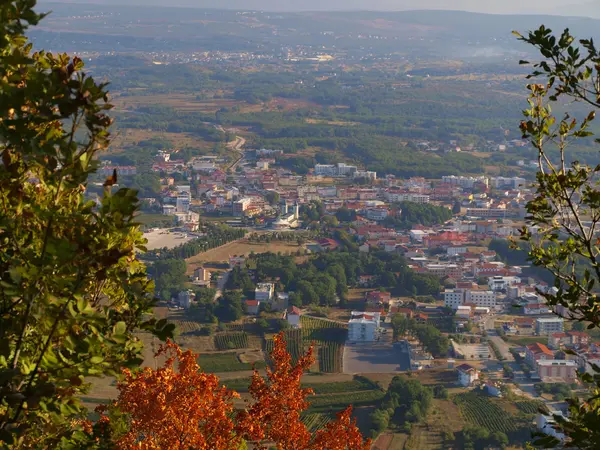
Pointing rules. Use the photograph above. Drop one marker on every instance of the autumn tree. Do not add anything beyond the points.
(180, 407)
(72, 292)
(562, 235)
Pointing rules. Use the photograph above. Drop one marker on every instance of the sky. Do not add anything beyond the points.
(563, 7)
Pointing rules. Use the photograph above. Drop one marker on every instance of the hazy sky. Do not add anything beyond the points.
(568, 7)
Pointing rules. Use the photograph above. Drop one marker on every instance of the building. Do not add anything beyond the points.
(264, 292)
(184, 298)
(499, 283)
(293, 316)
(182, 204)
(169, 210)
(453, 298)
(557, 368)
(252, 307)
(445, 270)
(546, 422)
(362, 327)
(546, 326)
(467, 375)
(377, 297)
(202, 274)
(537, 352)
(486, 299)
(240, 206)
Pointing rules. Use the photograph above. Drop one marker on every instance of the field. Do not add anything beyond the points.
(522, 341)
(226, 362)
(336, 402)
(241, 247)
(294, 342)
(329, 338)
(231, 341)
(494, 414)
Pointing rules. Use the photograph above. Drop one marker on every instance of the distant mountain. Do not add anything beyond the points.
(496, 7)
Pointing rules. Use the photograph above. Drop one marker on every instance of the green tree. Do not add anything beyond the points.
(72, 291)
(566, 208)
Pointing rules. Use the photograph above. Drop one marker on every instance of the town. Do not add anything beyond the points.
(473, 308)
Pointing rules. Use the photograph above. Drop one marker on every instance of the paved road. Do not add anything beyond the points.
(493, 337)
(221, 282)
(237, 146)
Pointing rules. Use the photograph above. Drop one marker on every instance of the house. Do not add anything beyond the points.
(293, 316)
(252, 306)
(467, 375)
(362, 327)
(327, 244)
(537, 352)
(264, 291)
(376, 297)
(185, 298)
(545, 424)
(494, 389)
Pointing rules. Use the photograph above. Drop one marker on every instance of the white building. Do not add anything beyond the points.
(377, 214)
(293, 317)
(464, 182)
(332, 170)
(464, 312)
(550, 325)
(363, 327)
(264, 292)
(545, 424)
(184, 298)
(183, 203)
(502, 283)
(453, 298)
(467, 375)
(169, 210)
(485, 299)
(396, 197)
(369, 175)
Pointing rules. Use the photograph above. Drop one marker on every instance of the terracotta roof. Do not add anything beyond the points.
(252, 302)
(539, 348)
(465, 368)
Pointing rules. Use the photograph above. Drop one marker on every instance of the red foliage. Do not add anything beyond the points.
(185, 408)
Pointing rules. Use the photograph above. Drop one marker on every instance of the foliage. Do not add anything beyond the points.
(72, 291)
(419, 214)
(175, 408)
(229, 307)
(566, 209)
(168, 276)
(560, 391)
(406, 401)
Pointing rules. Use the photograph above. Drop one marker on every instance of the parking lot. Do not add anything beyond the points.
(375, 357)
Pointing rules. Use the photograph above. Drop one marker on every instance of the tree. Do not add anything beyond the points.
(174, 408)
(229, 307)
(179, 407)
(72, 291)
(566, 208)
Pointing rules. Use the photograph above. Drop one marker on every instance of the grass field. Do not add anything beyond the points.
(522, 341)
(241, 247)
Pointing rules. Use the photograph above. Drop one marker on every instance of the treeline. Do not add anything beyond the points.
(418, 214)
(326, 277)
(216, 235)
(406, 402)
